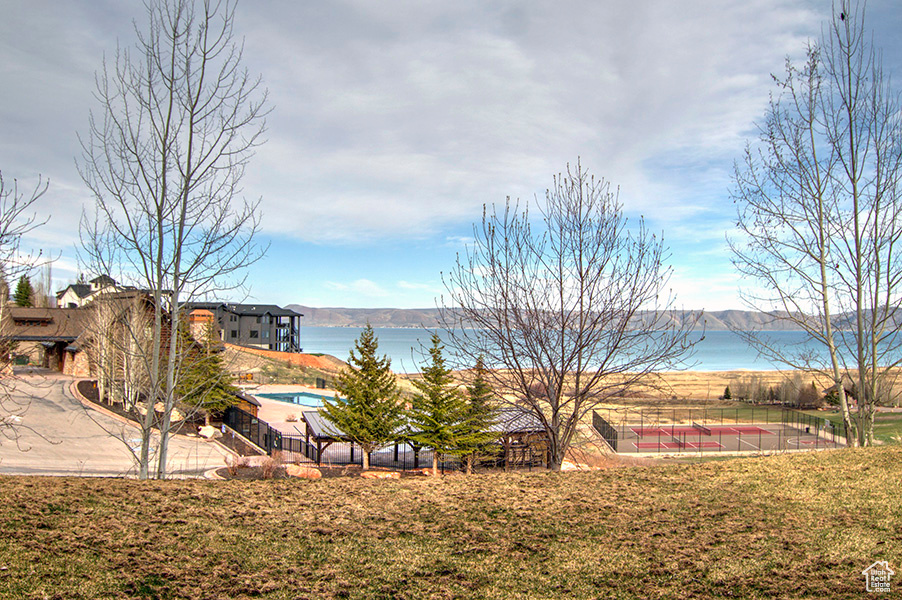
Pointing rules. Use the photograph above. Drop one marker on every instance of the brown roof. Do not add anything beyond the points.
(44, 324)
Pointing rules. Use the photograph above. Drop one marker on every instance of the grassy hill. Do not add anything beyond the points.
(792, 526)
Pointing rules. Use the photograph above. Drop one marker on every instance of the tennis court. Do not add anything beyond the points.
(703, 432)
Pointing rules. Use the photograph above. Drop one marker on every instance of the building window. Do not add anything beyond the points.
(233, 318)
(266, 334)
(255, 334)
(234, 334)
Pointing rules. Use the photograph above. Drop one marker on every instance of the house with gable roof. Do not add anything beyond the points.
(77, 295)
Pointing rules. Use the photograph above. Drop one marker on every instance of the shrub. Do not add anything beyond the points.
(233, 463)
(809, 397)
(268, 467)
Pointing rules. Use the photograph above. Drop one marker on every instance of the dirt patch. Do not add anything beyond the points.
(322, 362)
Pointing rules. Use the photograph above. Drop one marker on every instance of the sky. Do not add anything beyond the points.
(392, 123)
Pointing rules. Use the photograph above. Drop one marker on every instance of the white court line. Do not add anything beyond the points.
(742, 441)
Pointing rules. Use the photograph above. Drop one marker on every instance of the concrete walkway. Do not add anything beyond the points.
(59, 436)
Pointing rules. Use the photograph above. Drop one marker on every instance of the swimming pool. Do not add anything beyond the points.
(308, 399)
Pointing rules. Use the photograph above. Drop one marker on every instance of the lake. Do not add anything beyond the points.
(719, 351)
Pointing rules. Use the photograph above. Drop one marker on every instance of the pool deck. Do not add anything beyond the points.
(277, 413)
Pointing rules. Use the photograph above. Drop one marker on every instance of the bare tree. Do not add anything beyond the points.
(566, 315)
(17, 219)
(179, 119)
(818, 215)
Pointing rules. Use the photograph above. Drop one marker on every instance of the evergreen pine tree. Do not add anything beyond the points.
(24, 295)
(476, 438)
(203, 382)
(367, 407)
(727, 395)
(439, 412)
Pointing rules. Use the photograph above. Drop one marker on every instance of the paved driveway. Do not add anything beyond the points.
(59, 436)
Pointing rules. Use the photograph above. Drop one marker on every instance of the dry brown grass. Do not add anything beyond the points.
(800, 526)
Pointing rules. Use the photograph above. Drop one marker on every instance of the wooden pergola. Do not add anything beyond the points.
(520, 434)
(323, 433)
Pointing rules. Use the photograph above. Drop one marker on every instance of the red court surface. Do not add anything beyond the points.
(674, 445)
(688, 430)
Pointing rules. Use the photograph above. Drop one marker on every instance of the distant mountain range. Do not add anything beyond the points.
(719, 320)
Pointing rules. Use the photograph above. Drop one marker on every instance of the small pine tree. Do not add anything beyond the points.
(476, 438)
(439, 412)
(367, 407)
(24, 295)
(726, 394)
(203, 382)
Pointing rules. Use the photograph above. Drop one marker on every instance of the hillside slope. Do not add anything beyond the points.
(791, 526)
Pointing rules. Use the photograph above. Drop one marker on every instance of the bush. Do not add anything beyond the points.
(233, 463)
(268, 467)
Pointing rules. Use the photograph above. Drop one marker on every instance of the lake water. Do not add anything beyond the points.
(719, 351)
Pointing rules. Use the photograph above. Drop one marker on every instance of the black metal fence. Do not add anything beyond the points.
(255, 430)
(605, 430)
(397, 456)
(811, 423)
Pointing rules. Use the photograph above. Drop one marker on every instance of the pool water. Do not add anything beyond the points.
(300, 398)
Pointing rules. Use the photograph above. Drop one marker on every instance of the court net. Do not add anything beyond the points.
(701, 428)
(675, 438)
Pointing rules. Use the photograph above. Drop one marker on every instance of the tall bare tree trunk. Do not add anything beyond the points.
(164, 161)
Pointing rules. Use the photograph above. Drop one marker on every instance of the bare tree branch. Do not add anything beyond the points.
(179, 120)
(17, 219)
(567, 312)
(818, 217)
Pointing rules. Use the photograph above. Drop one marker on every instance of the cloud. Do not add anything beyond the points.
(359, 287)
(399, 125)
(403, 123)
(394, 127)
(420, 287)
(460, 241)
